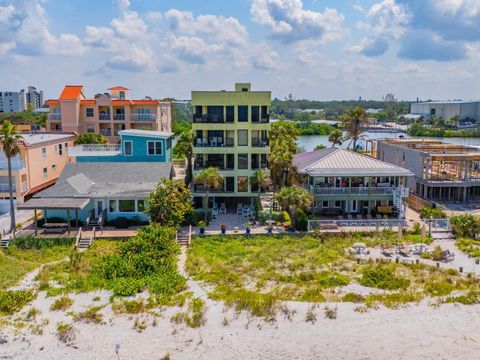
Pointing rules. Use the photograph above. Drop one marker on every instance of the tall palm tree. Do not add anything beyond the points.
(210, 178)
(293, 199)
(184, 146)
(336, 137)
(261, 178)
(283, 147)
(10, 139)
(354, 122)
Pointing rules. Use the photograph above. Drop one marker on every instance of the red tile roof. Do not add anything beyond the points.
(88, 102)
(118, 88)
(71, 92)
(53, 102)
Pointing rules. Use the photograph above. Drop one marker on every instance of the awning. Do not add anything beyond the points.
(55, 204)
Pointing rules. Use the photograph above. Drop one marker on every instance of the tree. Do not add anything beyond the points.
(336, 137)
(320, 147)
(354, 122)
(283, 147)
(294, 198)
(10, 139)
(169, 203)
(184, 147)
(261, 178)
(465, 225)
(90, 138)
(210, 178)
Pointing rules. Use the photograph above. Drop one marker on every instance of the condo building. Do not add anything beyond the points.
(12, 101)
(231, 133)
(107, 113)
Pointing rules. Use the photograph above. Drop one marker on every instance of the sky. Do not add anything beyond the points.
(312, 49)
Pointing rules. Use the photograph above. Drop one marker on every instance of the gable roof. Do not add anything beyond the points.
(341, 162)
(118, 88)
(108, 179)
(71, 92)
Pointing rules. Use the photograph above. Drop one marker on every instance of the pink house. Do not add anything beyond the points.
(40, 162)
(107, 113)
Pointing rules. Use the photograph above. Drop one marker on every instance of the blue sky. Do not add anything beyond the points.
(316, 49)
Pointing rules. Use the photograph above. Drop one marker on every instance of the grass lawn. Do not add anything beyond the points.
(469, 246)
(20, 258)
(254, 273)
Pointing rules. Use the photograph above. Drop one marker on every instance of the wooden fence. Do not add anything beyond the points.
(417, 203)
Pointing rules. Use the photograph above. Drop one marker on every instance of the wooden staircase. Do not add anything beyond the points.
(4, 243)
(84, 242)
(184, 238)
(93, 222)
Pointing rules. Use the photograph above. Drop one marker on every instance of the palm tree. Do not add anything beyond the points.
(184, 147)
(10, 139)
(283, 147)
(293, 199)
(261, 178)
(336, 137)
(354, 122)
(210, 178)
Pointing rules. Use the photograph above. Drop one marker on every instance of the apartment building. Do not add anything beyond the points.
(12, 101)
(231, 133)
(40, 162)
(107, 113)
(443, 172)
(34, 98)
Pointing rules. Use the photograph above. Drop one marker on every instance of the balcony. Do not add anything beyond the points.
(260, 142)
(105, 117)
(16, 164)
(95, 150)
(6, 188)
(260, 119)
(106, 132)
(143, 117)
(208, 119)
(214, 142)
(203, 189)
(220, 165)
(55, 116)
(24, 186)
(319, 190)
(119, 117)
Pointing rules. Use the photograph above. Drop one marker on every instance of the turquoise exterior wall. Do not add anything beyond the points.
(139, 146)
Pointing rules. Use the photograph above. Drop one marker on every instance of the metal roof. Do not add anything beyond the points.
(340, 162)
(55, 203)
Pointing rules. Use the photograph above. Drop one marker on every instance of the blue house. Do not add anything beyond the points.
(102, 183)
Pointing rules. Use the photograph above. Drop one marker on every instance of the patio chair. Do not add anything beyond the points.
(199, 142)
(214, 213)
(360, 220)
(246, 212)
(223, 208)
(205, 142)
(239, 209)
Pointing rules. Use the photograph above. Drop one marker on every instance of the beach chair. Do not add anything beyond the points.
(239, 209)
(360, 220)
(223, 208)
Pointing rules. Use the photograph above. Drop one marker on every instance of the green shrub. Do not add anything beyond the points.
(435, 213)
(31, 242)
(465, 225)
(471, 298)
(301, 221)
(354, 298)
(438, 288)
(11, 301)
(62, 303)
(65, 332)
(383, 277)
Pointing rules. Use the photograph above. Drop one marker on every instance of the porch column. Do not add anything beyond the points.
(35, 221)
(76, 218)
(68, 220)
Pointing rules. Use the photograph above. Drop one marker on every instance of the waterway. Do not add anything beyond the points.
(308, 143)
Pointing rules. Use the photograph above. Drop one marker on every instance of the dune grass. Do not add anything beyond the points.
(258, 273)
(25, 255)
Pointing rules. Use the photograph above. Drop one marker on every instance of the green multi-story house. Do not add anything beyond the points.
(231, 133)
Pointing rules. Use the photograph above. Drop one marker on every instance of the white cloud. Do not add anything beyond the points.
(265, 58)
(289, 22)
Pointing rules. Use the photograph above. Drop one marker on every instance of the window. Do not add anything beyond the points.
(44, 153)
(230, 111)
(242, 184)
(126, 205)
(89, 112)
(243, 113)
(255, 113)
(154, 148)
(242, 137)
(45, 172)
(140, 205)
(325, 204)
(112, 206)
(243, 161)
(54, 167)
(338, 204)
(66, 146)
(127, 148)
(90, 128)
(60, 149)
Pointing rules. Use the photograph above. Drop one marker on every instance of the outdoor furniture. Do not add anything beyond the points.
(447, 256)
(55, 228)
(199, 142)
(205, 142)
(360, 219)
(342, 221)
(223, 208)
(386, 250)
(247, 212)
(239, 209)
(404, 250)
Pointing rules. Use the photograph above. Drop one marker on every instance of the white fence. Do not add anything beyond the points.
(375, 223)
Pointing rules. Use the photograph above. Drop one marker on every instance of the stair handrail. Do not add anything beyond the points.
(78, 237)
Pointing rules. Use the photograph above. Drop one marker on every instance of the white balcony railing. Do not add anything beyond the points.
(352, 191)
(16, 164)
(95, 150)
(54, 116)
(143, 117)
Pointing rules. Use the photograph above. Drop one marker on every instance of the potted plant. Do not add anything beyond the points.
(201, 226)
(223, 227)
(270, 228)
(248, 226)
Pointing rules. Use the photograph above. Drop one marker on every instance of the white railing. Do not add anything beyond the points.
(24, 186)
(100, 147)
(54, 116)
(353, 191)
(143, 117)
(16, 164)
(375, 223)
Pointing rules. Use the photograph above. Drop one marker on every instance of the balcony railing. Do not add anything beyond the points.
(215, 164)
(54, 116)
(106, 117)
(143, 117)
(100, 147)
(16, 164)
(208, 118)
(6, 187)
(260, 142)
(118, 116)
(24, 186)
(95, 150)
(214, 142)
(106, 132)
(203, 188)
(318, 190)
